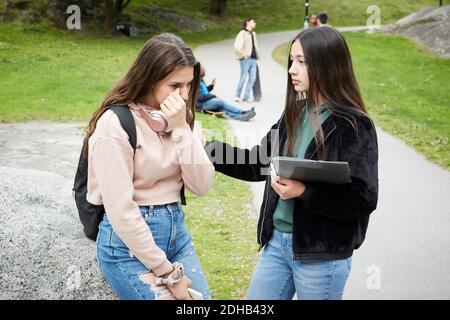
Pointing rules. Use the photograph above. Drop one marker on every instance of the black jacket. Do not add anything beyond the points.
(330, 221)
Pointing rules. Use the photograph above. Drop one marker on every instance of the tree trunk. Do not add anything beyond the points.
(113, 10)
(110, 26)
(219, 7)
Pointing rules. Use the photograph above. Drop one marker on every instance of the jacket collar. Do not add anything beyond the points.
(328, 127)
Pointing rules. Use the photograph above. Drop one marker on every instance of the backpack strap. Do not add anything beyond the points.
(126, 119)
(182, 196)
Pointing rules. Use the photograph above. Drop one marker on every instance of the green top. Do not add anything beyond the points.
(284, 212)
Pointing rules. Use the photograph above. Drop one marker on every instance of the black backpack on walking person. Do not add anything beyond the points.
(90, 214)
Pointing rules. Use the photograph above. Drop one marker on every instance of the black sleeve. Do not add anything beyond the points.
(359, 197)
(210, 87)
(245, 164)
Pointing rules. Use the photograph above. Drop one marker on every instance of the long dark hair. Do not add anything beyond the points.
(331, 75)
(159, 57)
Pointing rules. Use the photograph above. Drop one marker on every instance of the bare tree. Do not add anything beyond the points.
(113, 10)
(219, 7)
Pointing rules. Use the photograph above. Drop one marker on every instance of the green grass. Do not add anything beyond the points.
(406, 90)
(53, 75)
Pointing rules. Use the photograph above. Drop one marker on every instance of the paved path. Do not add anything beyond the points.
(406, 254)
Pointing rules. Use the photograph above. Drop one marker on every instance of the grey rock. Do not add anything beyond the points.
(56, 11)
(45, 254)
(430, 27)
(180, 20)
(29, 16)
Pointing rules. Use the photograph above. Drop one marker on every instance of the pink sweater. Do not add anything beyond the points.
(154, 177)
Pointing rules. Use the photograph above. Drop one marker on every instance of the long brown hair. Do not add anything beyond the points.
(159, 57)
(331, 75)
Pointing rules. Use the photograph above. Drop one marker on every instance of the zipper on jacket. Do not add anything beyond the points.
(262, 223)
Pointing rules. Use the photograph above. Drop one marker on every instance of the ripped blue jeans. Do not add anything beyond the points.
(123, 270)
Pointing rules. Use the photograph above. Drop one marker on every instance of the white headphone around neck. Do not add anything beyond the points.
(155, 119)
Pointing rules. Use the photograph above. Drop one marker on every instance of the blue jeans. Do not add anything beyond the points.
(248, 66)
(217, 104)
(122, 269)
(278, 276)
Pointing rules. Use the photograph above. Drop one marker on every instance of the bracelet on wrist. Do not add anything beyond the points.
(173, 277)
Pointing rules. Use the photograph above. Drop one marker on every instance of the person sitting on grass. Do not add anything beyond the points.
(209, 102)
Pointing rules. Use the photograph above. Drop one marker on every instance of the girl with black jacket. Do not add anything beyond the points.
(309, 230)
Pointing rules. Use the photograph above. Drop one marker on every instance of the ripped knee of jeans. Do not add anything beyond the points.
(161, 291)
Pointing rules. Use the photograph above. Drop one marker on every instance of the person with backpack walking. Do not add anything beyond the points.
(143, 233)
(309, 230)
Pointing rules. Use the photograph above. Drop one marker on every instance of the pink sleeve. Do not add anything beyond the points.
(196, 169)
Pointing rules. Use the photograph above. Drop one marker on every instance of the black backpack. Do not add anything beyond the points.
(91, 215)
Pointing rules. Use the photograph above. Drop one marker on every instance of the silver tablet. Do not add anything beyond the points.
(312, 170)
